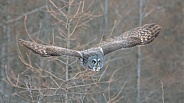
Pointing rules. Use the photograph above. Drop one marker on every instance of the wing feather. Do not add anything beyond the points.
(45, 50)
(137, 36)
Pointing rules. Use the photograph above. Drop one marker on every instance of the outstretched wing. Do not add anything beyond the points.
(137, 36)
(46, 50)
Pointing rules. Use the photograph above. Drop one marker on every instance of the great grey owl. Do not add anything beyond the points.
(93, 58)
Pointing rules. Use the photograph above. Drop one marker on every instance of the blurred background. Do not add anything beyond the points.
(150, 74)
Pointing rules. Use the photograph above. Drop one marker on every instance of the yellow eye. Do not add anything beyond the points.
(94, 61)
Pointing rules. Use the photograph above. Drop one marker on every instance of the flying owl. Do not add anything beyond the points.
(93, 58)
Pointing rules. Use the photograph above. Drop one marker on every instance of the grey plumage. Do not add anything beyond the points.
(47, 50)
(137, 36)
(93, 58)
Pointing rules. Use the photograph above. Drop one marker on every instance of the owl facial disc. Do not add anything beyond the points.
(96, 66)
(93, 61)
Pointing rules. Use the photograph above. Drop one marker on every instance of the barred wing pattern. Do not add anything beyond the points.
(137, 36)
(93, 58)
(46, 50)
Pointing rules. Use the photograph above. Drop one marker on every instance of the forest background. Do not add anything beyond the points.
(146, 74)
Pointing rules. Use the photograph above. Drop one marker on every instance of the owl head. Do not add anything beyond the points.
(93, 60)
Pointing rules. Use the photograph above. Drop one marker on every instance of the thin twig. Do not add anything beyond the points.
(162, 86)
(23, 15)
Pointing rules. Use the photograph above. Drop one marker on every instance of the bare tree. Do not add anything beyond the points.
(61, 78)
(5, 42)
(138, 98)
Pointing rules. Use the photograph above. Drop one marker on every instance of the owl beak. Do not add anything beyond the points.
(98, 68)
